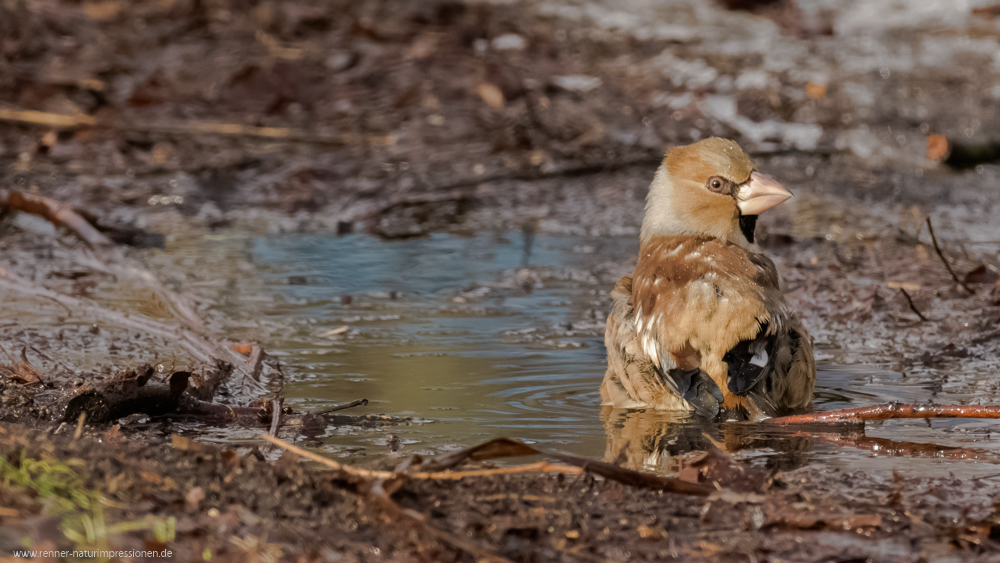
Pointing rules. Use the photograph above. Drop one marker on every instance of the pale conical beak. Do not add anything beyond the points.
(760, 194)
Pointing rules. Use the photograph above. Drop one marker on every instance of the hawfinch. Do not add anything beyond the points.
(701, 323)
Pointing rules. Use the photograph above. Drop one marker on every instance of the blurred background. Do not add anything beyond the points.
(425, 203)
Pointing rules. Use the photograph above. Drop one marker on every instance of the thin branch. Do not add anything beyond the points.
(357, 403)
(937, 249)
(453, 475)
(912, 306)
(888, 411)
(541, 466)
(349, 469)
(189, 128)
(276, 415)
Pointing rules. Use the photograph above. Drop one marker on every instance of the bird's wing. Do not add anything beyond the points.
(716, 298)
(635, 380)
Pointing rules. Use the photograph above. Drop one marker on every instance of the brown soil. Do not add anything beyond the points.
(238, 506)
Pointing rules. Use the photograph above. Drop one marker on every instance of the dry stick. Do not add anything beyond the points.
(912, 306)
(276, 415)
(349, 469)
(891, 410)
(255, 362)
(357, 403)
(937, 249)
(373, 474)
(83, 121)
(542, 466)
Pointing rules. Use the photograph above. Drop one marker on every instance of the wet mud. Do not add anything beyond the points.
(163, 122)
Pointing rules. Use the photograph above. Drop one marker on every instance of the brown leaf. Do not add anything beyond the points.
(22, 372)
(981, 274)
(491, 95)
(814, 90)
(864, 521)
(102, 11)
(937, 147)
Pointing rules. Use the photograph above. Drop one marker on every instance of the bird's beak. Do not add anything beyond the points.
(760, 194)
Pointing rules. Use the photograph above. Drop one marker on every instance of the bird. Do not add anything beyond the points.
(701, 324)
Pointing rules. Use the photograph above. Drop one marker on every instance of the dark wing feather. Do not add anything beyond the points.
(751, 361)
(698, 389)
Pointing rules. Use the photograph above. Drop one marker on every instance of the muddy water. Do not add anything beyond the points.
(500, 334)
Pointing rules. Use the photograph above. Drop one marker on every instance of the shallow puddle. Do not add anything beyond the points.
(502, 335)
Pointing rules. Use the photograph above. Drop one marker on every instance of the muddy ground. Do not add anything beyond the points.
(407, 118)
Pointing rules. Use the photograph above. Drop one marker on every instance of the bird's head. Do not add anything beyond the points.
(709, 188)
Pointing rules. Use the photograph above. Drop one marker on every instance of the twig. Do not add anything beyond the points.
(357, 403)
(541, 466)
(83, 121)
(59, 215)
(887, 411)
(912, 306)
(937, 249)
(373, 474)
(79, 426)
(276, 415)
(255, 362)
(349, 469)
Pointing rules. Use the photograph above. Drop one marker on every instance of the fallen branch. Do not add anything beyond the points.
(505, 447)
(190, 128)
(276, 415)
(887, 411)
(912, 306)
(357, 403)
(134, 392)
(349, 469)
(937, 249)
(59, 215)
(541, 467)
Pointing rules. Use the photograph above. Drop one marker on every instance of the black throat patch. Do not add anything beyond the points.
(747, 225)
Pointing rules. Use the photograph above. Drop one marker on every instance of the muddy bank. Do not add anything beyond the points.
(234, 505)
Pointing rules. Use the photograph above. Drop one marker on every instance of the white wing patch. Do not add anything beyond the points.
(759, 358)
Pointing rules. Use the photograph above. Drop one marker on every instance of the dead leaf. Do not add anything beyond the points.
(102, 11)
(863, 521)
(815, 91)
(646, 532)
(491, 95)
(22, 372)
(981, 274)
(937, 147)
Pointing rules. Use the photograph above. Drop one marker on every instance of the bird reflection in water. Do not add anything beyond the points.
(652, 440)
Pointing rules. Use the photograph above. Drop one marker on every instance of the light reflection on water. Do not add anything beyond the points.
(502, 335)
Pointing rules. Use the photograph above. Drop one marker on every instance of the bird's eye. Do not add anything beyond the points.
(716, 184)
